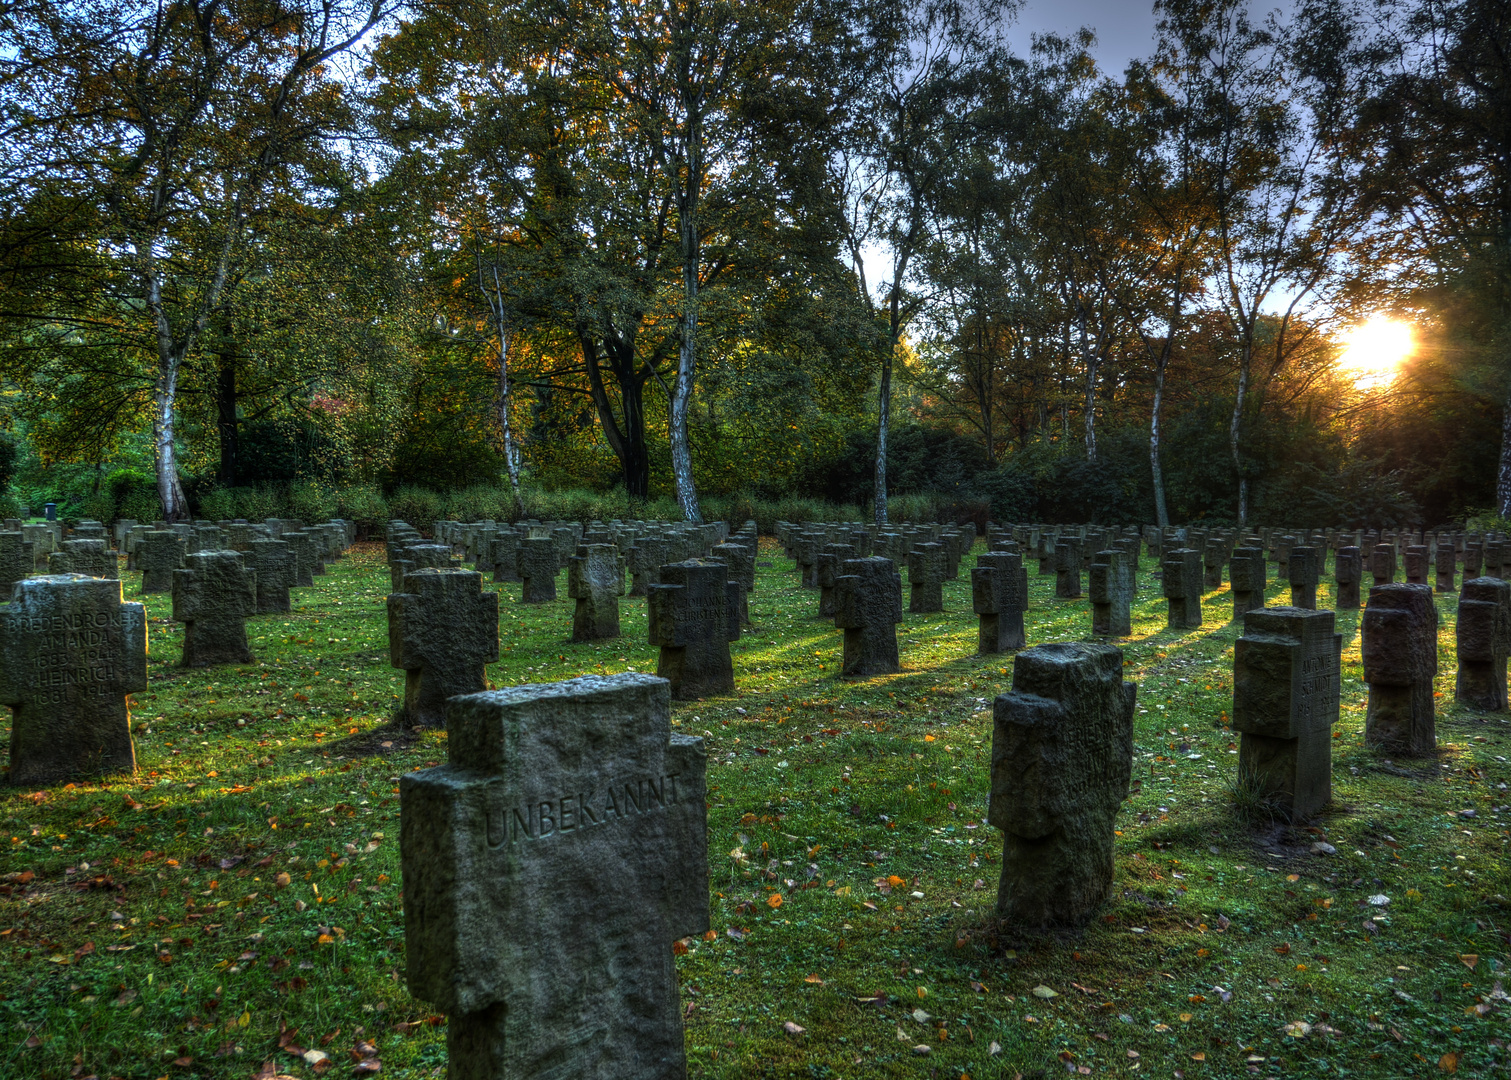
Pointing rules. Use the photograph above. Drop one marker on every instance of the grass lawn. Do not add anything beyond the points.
(237, 900)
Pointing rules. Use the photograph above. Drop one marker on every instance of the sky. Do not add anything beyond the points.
(1124, 28)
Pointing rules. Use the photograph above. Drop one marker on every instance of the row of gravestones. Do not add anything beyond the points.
(71, 649)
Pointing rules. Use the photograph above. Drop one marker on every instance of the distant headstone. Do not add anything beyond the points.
(16, 560)
(1446, 562)
(443, 631)
(1111, 587)
(1062, 757)
(158, 554)
(1382, 564)
(213, 596)
(302, 546)
(1304, 572)
(538, 567)
(1416, 565)
(413, 557)
(595, 581)
(1068, 568)
(1213, 555)
(999, 594)
(88, 557)
(693, 616)
(1399, 644)
(829, 562)
(70, 652)
(1181, 583)
(1246, 578)
(740, 558)
(1286, 686)
(926, 578)
(868, 608)
(273, 563)
(1348, 570)
(548, 867)
(1484, 640)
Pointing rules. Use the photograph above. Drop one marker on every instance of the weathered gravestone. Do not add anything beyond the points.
(273, 563)
(16, 560)
(829, 562)
(1213, 555)
(548, 867)
(740, 558)
(442, 631)
(1067, 568)
(1382, 564)
(413, 557)
(1286, 686)
(1181, 583)
(302, 548)
(1484, 640)
(538, 567)
(868, 608)
(999, 593)
(213, 595)
(645, 561)
(693, 615)
(70, 652)
(88, 557)
(1446, 559)
(1246, 579)
(1416, 565)
(595, 581)
(1111, 587)
(1304, 572)
(926, 578)
(1062, 756)
(1399, 644)
(805, 549)
(159, 553)
(1348, 570)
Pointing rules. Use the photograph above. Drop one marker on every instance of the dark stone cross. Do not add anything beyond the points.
(1062, 758)
(1213, 555)
(829, 562)
(1304, 572)
(70, 652)
(302, 548)
(273, 563)
(1181, 583)
(596, 582)
(1286, 686)
(926, 578)
(805, 549)
(538, 567)
(413, 557)
(1246, 578)
(213, 595)
(740, 556)
(868, 608)
(158, 554)
(1484, 640)
(1067, 568)
(548, 867)
(16, 559)
(1446, 563)
(89, 557)
(1416, 565)
(646, 559)
(1348, 570)
(999, 593)
(1399, 643)
(1382, 564)
(1111, 587)
(693, 615)
(443, 631)
(1474, 558)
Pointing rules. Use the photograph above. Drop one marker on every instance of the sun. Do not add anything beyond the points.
(1375, 349)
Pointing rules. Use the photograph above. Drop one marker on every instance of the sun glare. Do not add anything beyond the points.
(1375, 349)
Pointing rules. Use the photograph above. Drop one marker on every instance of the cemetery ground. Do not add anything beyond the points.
(234, 907)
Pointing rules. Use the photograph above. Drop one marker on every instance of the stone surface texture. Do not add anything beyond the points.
(213, 596)
(868, 607)
(442, 632)
(1399, 643)
(693, 615)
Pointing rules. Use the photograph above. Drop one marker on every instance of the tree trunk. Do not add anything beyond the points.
(495, 300)
(1503, 479)
(883, 421)
(687, 366)
(627, 440)
(1091, 409)
(1234, 433)
(226, 423)
(170, 491)
(1161, 515)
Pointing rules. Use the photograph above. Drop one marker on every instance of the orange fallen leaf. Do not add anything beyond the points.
(813, 979)
(1469, 960)
(774, 901)
(1449, 1062)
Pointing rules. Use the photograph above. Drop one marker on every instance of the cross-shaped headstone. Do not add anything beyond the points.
(16, 559)
(1348, 571)
(1399, 646)
(442, 630)
(1214, 553)
(830, 561)
(1111, 587)
(1304, 573)
(70, 652)
(805, 549)
(1067, 568)
(158, 554)
(693, 616)
(868, 607)
(1446, 563)
(538, 567)
(739, 556)
(548, 867)
(88, 557)
(645, 561)
(317, 552)
(1484, 640)
(1474, 558)
(999, 593)
(1181, 583)
(1416, 565)
(925, 578)
(302, 548)
(1062, 758)
(273, 563)
(213, 595)
(1382, 564)
(418, 557)
(1286, 672)
(596, 582)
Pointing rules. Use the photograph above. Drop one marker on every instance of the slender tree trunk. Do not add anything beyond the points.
(1161, 515)
(627, 440)
(170, 491)
(1503, 479)
(687, 355)
(1091, 409)
(504, 400)
(883, 424)
(1235, 432)
(226, 423)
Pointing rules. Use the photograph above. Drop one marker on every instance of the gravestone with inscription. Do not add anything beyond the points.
(302, 548)
(548, 867)
(1286, 686)
(1484, 640)
(273, 563)
(1110, 584)
(16, 559)
(1067, 568)
(1399, 644)
(70, 652)
(442, 630)
(538, 567)
(213, 596)
(740, 558)
(1062, 758)
(1304, 573)
(999, 593)
(595, 581)
(1181, 583)
(693, 615)
(88, 557)
(868, 608)
(1246, 578)
(413, 557)
(926, 578)
(1348, 570)
(158, 554)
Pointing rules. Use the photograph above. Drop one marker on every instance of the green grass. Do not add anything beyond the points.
(1226, 949)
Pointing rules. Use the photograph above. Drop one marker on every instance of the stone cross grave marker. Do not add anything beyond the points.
(70, 652)
(443, 631)
(926, 578)
(645, 561)
(1348, 570)
(1484, 640)
(1474, 558)
(548, 867)
(89, 557)
(1213, 555)
(413, 557)
(158, 554)
(16, 559)
(1111, 587)
(1286, 686)
(1246, 577)
(538, 567)
(1416, 565)
(1067, 568)
(1304, 573)
(596, 582)
(302, 548)
(1062, 757)
(693, 615)
(868, 608)
(1446, 559)
(1399, 644)
(1382, 564)
(273, 563)
(740, 558)
(1181, 583)
(829, 562)
(999, 594)
(213, 595)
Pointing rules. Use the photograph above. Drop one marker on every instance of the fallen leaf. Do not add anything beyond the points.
(1469, 960)
(994, 1049)
(1044, 992)
(813, 979)
(1449, 1062)
(793, 1029)
(774, 901)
